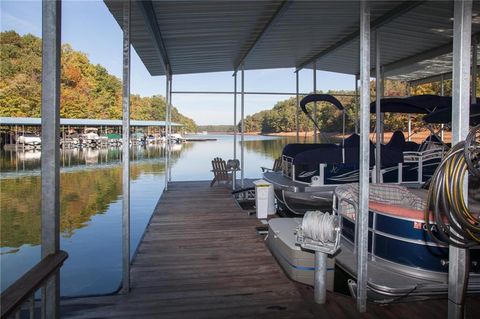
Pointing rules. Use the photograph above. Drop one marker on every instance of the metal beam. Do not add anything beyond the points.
(462, 28)
(170, 129)
(127, 8)
(442, 93)
(167, 142)
(362, 219)
(148, 12)
(357, 107)
(315, 131)
(51, 55)
(391, 15)
(422, 56)
(378, 96)
(253, 93)
(282, 8)
(234, 179)
(242, 127)
(474, 72)
(438, 77)
(297, 108)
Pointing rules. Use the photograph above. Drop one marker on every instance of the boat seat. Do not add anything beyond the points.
(411, 146)
(396, 210)
(388, 197)
(397, 140)
(352, 150)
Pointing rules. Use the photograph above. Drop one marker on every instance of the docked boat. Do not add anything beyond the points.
(29, 139)
(404, 260)
(311, 172)
(176, 138)
(90, 137)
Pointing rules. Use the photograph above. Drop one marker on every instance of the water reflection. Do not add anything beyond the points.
(90, 194)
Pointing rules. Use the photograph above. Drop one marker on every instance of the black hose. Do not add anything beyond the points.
(446, 205)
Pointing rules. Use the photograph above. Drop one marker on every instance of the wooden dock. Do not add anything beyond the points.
(202, 258)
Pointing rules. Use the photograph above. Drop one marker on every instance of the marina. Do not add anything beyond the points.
(123, 218)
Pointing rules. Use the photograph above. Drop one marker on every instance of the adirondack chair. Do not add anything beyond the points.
(277, 166)
(220, 172)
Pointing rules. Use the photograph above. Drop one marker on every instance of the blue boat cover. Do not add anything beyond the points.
(418, 104)
(444, 116)
(330, 154)
(293, 149)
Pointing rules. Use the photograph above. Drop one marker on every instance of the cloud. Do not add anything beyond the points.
(22, 26)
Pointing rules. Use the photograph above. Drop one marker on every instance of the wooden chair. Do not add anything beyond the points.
(277, 166)
(220, 172)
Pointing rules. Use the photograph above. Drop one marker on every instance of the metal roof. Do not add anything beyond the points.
(216, 35)
(82, 122)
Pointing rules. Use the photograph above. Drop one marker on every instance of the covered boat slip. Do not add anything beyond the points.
(196, 232)
(201, 257)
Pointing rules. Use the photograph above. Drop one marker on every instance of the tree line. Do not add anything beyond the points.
(281, 118)
(87, 90)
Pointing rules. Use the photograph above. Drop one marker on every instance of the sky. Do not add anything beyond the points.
(89, 27)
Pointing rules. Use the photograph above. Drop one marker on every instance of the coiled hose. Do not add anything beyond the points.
(446, 205)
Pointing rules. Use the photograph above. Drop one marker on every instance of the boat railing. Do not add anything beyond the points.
(421, 157)
(337, 200)
(19, 298)
(287, 167)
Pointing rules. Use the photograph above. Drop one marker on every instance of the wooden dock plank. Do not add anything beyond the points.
(202, 258)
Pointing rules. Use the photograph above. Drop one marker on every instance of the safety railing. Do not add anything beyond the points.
(18, 300)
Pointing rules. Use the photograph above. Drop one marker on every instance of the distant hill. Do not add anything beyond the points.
(87, 90)
(215, 128)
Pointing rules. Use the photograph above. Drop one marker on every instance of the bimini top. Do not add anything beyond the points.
(190, 36)
(418, 104)
(444, 116)
(320, 98)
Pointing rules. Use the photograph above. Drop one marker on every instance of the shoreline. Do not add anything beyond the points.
(417, 137)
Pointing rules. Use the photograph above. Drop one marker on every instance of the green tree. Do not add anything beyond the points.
(87, 90)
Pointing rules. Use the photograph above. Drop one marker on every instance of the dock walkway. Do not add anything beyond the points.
(202, 258)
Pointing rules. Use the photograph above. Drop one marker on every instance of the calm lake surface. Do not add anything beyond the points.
(91, 195)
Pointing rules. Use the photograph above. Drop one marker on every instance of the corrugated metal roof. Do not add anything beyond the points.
(209, 36)
(82, 122)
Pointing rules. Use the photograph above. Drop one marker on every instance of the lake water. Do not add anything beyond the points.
(91, 196)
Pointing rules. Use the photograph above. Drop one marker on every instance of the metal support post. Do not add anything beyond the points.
(170, 128)
(297, 108)
(409, 116)
(315, 133)
(362, 219)
(50, 169)
(126, 150)
(462, 32)
(474, 71)
(167, 136)
(357, 106)
(382, 95)
(242, 127)
(378, 121)
(16, 140)
(442, 93)
(320, 284)
(234, 179)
